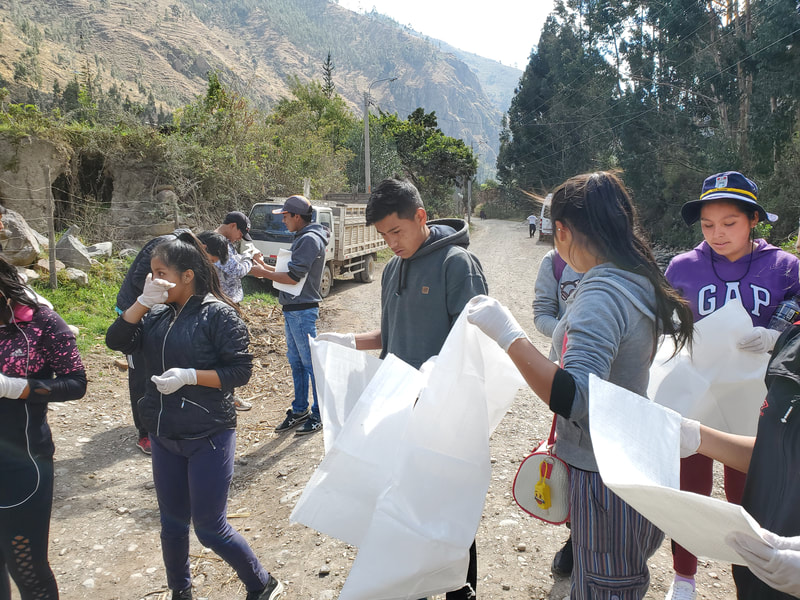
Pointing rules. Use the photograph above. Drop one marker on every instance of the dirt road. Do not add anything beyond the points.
(105, 533)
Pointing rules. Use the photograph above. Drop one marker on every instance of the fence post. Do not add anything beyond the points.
(51, 233)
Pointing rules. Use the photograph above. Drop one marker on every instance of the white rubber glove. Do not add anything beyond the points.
(249, 250)
(12, 387)
(775, 560)
(495, 320)
(155, 291)
(690, 437)
(174, 379)
(758, 340)
(348, 340)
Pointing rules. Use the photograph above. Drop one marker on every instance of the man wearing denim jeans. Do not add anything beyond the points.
(300, 312)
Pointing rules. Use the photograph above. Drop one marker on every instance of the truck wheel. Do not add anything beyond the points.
(327, 282)
(368, 274)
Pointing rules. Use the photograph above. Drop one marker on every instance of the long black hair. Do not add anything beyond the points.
(215, 244)
(602, 217)
(187, 252)
(13, 290)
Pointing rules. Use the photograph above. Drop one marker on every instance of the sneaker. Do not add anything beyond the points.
(562, 561)
(292, 419)
(182, 594)
(240, 404)
(312, 425)
(681, 590)
(273, 590)
(144, 444)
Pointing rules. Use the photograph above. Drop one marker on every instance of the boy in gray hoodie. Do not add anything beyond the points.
(424, 287)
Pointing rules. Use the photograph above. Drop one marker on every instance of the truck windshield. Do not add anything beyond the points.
(266, 226)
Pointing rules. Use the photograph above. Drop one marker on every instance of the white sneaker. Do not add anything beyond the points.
(681, 590)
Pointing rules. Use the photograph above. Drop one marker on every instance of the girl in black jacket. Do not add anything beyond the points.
(196, 352)
(39, 363)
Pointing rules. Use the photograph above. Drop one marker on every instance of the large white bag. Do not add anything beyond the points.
(406, 477)
(717, 384)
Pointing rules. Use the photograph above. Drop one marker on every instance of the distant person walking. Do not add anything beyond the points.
(301, 309)
(531, 225)
(40, 364)
(195, 346)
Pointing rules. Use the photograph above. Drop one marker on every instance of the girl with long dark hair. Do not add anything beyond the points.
(196, 351)
(620, 308)
(39, 363)
(729, 263)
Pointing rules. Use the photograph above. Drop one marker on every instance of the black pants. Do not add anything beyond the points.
(531, 229)
(470, 590)
(25, 530)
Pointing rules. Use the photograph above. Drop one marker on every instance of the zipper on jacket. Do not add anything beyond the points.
(163, 366)
(184, 400)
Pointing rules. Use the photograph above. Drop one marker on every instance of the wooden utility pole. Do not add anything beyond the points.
(51, 233)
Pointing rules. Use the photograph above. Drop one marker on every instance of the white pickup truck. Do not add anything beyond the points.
(545, 224)
(352, 248)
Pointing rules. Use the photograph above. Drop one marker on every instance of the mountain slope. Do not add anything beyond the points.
(166, 47)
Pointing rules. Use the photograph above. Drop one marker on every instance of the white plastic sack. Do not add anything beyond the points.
(639, 459)
(426, 466)
(341, 375)
(718, 384)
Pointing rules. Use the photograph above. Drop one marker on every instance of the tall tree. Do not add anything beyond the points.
(328, 87)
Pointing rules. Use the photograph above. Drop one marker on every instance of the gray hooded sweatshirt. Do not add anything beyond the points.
(308, 256)
(608, 330)
(422, 296)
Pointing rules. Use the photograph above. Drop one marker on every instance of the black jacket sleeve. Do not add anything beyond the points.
(64, 387)
(123, 336)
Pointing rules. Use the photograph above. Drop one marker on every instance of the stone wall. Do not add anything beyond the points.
(140, 207)
(24, 186)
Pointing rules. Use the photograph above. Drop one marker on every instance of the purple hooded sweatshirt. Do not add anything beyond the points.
(761, 285)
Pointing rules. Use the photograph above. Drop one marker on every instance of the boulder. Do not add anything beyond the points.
(99, 249)
(43, 241)
(78, 277)
(72, 253)
(27, 274)
(128, 253)
(44, 265)
(20, 246)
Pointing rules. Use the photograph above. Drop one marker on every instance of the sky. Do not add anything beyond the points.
(504, 30)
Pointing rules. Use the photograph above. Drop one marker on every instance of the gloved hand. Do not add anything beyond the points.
(249, 250)
(690, 437)
(171, 380)
(759, 339)
(495, 320)
(155, 291)
(12, 387)
(775, 560)
(348, 340)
